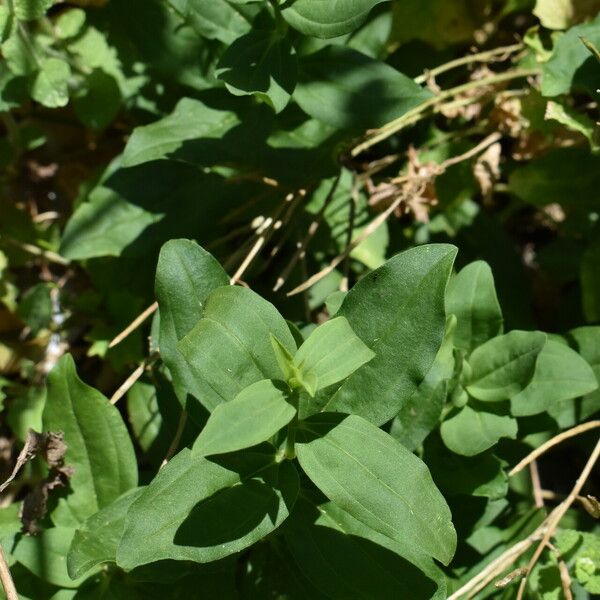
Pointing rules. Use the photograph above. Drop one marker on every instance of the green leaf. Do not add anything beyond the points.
(590, 281)
(421, 414)
(45, 555)
(337, 86)
(331, 353)
(437, 22)
(230, 347)
(284, 359)
(215, 508)
(346, 559)
(560, 374)
(472, 431)
(50, 86)
(574, 121)
(35, 307)
(69, 23)
(587, 340)
(98, 445)
(398, 312)
(27, 10)
(482, 476)
(96, 541)
(222, 20)
(185, 276)
(256, 414)
(503, 366)
(571, 66)
(99, 101)
(327, 18)
(375, 479)
(262, 63)
(567, 176)
(190, 120)
(471, 296)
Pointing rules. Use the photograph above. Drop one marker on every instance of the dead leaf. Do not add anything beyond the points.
(487, 170)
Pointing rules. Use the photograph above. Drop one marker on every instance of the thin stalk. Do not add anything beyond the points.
(414, 114)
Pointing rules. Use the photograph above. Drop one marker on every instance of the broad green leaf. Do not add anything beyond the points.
(27, 10)
(574, 121)
(331, 353)
(284, 359)
(185, 276)
(503, 366)
(230, 347)
(96, 541)
(567, 176)
(222, 20)
(337, 86)
(398, 312)
(472, 431)
(69, 23)
(561, 14)
(482, 476)
(45, 555)
(50, 86)
(327, 18)
(471, 296)
(262, 63)
(98, 445)
(215, 508)
(437, 22)
(560, 374)
(256, 414)
(190, 120)
(587, 340)
(421, 414)
(590, 281)
(346, 559)
(378, 481)
(99, 102)
(571, 66)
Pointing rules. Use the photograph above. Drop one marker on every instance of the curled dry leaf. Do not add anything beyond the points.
(51, 447)
(591, 505)
(487, 170)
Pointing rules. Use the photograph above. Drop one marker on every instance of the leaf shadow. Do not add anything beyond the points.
(246, 505)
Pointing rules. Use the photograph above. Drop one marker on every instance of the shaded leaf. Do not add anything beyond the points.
(256, 493)
(337, 86)
(190, 120)
(344, 558)
(262, 63)
(327, 18)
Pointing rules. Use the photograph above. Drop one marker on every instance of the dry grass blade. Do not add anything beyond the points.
(312, 229)
(558, 513)
(557, 439)
(134, 324)
(5, 577)
(363, 235)
(176, 439)
(126, 385)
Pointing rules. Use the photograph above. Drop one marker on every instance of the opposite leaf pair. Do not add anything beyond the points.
(259, 411)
